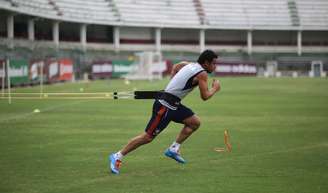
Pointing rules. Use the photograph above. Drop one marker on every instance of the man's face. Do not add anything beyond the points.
(210, 66)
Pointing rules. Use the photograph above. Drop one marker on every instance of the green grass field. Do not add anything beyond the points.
(278, 128)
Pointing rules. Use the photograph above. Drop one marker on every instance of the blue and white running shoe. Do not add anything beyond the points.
(175, 156)
(114, 164)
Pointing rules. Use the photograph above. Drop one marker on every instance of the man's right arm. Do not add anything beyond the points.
(206, 93)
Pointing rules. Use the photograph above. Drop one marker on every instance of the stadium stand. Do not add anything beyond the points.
(220, 14)
(32, 7)
(129, 12)
(98, 10)
(158, 12)
(313, 14)
(251, 14)
(249, 26)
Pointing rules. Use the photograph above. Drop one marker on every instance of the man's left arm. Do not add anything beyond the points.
(205, 92)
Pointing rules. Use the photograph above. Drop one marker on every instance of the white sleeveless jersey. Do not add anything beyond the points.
(182, 82)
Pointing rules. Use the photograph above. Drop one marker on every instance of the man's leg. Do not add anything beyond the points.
(191, 124)
(136, 142)
(156, 124)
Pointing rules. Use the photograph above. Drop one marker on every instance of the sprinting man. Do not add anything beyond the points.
(185, 77)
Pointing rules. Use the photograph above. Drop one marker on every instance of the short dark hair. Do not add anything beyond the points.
(207, 55)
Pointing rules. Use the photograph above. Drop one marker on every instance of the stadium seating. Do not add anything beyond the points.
(96, 10)
(142, 12)
(226, 14)
(276, 25)
(158, 12)
(41, 7)
(313, 13)
(253, 14)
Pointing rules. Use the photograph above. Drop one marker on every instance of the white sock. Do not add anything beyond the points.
(118, 155)
(175, 147)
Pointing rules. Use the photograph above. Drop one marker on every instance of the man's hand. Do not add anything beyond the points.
(216, 85)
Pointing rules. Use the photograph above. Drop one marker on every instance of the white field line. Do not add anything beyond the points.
(24, 115)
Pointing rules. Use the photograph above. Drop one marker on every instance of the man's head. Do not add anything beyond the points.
(208, 59)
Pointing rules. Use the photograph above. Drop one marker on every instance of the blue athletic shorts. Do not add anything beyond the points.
(162, 116)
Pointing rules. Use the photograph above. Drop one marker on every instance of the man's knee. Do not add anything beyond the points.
(196, 123)
(147, 138)
(193, 122)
